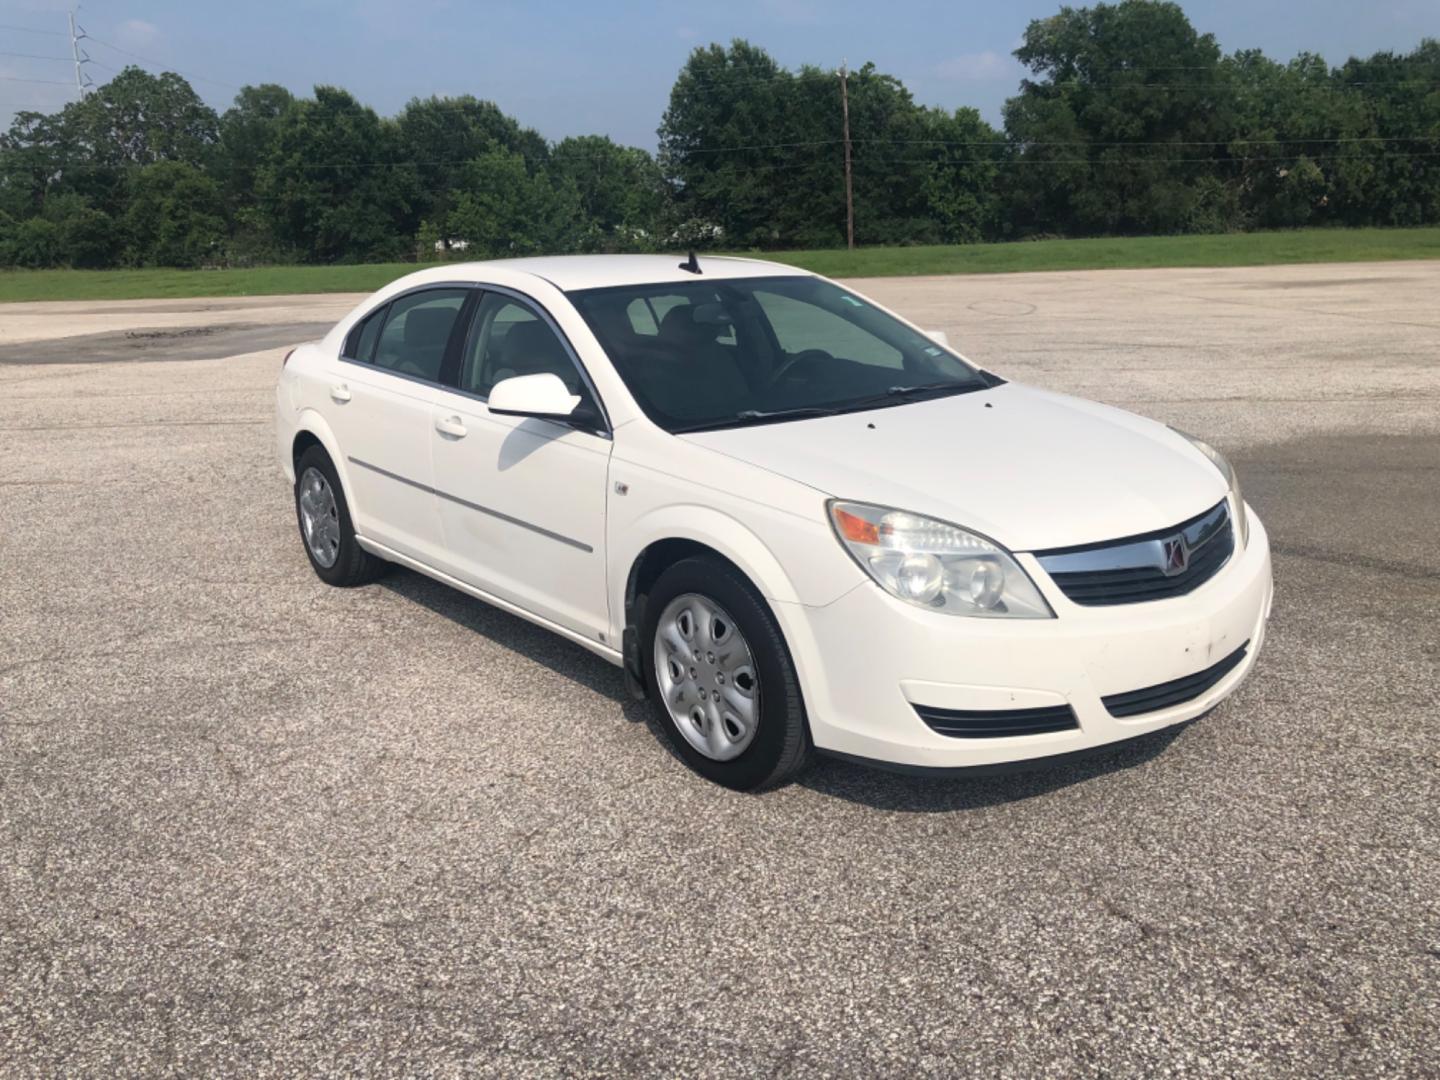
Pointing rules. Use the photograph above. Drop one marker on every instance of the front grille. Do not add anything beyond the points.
(997, 723)
(1133, 570)
(1175, 692)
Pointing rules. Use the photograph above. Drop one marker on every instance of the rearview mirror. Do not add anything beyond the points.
(541, 395)
(940, 336)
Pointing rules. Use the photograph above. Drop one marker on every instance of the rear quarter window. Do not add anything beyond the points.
(360, 342)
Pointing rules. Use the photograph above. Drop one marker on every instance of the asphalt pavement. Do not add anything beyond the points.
(251, 825)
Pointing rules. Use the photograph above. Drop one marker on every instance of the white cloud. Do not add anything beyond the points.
(137, 32)
(793, 12)
(979, 66)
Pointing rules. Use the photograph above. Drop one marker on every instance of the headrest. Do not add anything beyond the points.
(678, 325)
(428, 327)
(713, 314)
(531, 346)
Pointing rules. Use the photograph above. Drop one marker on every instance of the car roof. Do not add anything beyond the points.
(570, 272)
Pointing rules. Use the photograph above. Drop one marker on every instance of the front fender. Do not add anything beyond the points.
(713, 529)
(819, 580)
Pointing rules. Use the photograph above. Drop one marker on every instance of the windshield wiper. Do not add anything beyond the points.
(896, 395)
(899, 395)
(943, 389)
(758, 416)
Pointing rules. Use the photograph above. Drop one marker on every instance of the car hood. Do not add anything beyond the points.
(1026, 467)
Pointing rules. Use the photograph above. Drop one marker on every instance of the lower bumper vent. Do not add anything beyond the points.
(1176, 691)
(997, 723)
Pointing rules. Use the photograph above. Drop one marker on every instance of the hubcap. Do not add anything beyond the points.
(707, 676)
(319, 519)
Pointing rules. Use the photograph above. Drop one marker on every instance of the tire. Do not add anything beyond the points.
(351, 564)
(778, 744)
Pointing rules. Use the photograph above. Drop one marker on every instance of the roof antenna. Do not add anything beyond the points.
(692, 264)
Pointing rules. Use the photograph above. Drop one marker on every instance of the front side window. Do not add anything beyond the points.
(416, 332)
(509, 338)
(753, 350)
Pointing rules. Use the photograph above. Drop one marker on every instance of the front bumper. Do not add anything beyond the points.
(867, 660)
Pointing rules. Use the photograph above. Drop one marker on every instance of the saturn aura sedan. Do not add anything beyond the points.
(795, 520)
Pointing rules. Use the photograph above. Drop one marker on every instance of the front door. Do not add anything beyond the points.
(521, 500)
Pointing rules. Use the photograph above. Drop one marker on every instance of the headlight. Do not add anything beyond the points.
(1237, 500)
(937, 566)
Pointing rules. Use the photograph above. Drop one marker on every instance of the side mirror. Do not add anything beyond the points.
(940, 336)
(542, 395)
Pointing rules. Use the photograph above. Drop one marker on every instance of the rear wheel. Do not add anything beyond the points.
(724, 686)
(325, 525)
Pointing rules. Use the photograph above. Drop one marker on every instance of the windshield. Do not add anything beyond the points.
(709, 354)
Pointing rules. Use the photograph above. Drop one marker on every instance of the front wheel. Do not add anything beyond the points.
(721, 677)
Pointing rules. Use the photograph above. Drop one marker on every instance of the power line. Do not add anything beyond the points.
(163, 66)
(875, 162)
(1224, 71)
(36, 56)
(32, 30)
(42, 82)
(1000, 140)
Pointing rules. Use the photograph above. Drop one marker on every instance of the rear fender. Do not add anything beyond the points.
(312, 422)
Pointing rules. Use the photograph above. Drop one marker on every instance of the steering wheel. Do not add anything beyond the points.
(805, 357)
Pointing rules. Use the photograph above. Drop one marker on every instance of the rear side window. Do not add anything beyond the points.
(360, 342)
(417, 331)
(648, 312)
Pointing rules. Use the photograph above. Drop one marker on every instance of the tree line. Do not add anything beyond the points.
(1130, 121)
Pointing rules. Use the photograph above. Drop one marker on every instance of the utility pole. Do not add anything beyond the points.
(82, 81)
(849, 185)
(850, 189)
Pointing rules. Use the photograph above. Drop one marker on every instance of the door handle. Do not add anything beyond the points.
(340, 393)
(451, 426)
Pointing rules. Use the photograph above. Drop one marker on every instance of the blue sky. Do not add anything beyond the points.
(607, 67)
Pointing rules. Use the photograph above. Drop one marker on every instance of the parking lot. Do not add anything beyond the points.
(252, 824)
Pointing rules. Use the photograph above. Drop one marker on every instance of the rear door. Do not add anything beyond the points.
(522, 500)
(384, 391)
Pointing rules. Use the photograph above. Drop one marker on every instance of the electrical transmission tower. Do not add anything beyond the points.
(83, 82)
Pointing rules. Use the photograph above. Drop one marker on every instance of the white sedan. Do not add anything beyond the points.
(798, 522)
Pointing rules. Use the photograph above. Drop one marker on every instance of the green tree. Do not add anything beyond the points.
(91, 239)
(1394, 178)
(140, 119)
(921, 175)
(620, 189)
(34, 244)
(91, 145)
(759, 151)
(505, 210)
(440, 136)
(337, 185)
(175, 216)
(727, 144)
(959, 181)
(1126, 108)
(34, 158)
(247, 135)
(85, 237)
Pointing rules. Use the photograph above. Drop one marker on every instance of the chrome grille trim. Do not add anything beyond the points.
(1133, 569)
